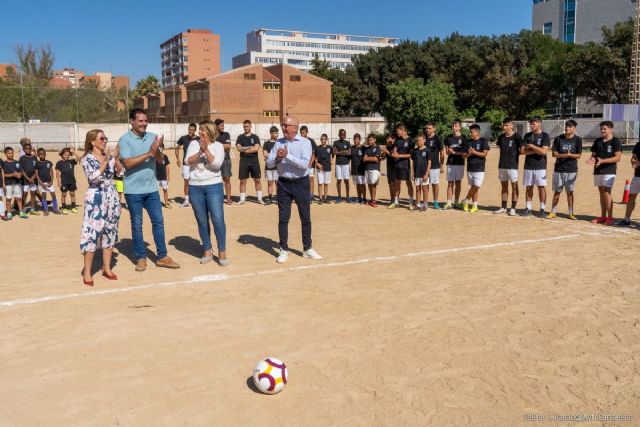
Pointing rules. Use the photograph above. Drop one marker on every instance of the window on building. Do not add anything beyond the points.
(249, 76)
(570, 21)
(271, 86)
(295, 78)
(271, 113)
(548, 27)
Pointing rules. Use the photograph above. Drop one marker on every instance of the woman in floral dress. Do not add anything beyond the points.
(101, 205)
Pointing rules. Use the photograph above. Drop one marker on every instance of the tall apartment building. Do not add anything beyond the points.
(189, 56)
(579, 21)
(298, 48)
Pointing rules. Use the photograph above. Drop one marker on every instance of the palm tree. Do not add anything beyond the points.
(146, 86)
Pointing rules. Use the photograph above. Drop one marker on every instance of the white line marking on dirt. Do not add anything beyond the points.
(223, 277)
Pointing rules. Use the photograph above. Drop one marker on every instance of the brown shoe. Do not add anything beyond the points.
(141, 265)
(167, 262)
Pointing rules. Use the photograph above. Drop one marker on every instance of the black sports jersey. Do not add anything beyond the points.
(457, 143)
(475, 163)
(606, 150)
(323, 156)
(536, 161)
(28, 165)
(391, 162)
(161, 168)
(341, 145)
(509, 151)
(403, 146)
(9, 168)
(636, 151)
(248, 141)
(67, 174)
(435, 147)
(421, 157)
(1, 167)
(357, 167)
(184, 142)
(268, 146)
(225, 138)
(564, 145)
(43, 169)
(373, 151)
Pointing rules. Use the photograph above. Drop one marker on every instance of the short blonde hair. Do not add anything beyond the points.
(210, 130)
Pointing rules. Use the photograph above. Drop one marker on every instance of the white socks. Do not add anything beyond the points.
(243, 196)
(259, 194)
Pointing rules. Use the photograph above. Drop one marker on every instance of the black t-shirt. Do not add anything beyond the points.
(457, 143)
(11, 167)
(43, 168)
(373, 151)
(161, 168)
(184, 142)
(536, 161)
(420, 158)
(403, 146)
(314, 146)
(224, 138)
(357, 167)
(268, 146)
(248, 142)
(1, 167)
(341, 145)
(67, 174)
(28, 165)
(435, 146)
(323, 154)
(606, 151)
(564, 145)
(509, 151)
(636, 151)
(475, 163)
(391, 162)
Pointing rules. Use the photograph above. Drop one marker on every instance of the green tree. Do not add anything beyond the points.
(600, 71)
(414, 102)
(35, 64)
(146, 86)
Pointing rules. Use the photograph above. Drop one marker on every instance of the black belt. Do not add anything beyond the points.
(290, 180)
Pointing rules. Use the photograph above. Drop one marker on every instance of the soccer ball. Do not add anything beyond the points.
(270, 375)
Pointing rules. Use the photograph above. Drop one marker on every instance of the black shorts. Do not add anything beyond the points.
(391, 175)
(249, 169)
(401, 174)
(68, 187)
(225, 169)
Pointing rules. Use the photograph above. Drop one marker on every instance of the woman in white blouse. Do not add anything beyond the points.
(206, 192)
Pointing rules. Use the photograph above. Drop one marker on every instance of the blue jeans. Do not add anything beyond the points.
(207, 202)
(150, 202)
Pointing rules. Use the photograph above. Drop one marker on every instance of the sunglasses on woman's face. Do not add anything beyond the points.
(103, 138)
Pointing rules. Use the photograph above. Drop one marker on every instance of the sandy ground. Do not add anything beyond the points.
(443, 318)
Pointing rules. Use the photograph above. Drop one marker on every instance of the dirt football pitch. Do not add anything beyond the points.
(438, 318)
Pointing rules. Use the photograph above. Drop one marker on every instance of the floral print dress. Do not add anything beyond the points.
(101, 206)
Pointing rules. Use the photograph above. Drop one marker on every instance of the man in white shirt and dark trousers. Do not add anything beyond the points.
(291, 154)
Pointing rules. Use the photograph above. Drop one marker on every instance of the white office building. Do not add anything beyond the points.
(298, 48)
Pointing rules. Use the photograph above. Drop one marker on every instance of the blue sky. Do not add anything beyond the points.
(124, 36)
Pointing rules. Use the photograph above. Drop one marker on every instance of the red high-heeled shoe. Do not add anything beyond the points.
(87, 282)
(109, 276)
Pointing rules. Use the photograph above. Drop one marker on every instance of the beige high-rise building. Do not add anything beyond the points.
(188, 56)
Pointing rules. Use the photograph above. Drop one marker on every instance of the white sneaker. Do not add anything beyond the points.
(282, 258)
(261, 202)
(500, 211)
(512, 212)
(185, 204)
(239, 202)
(311, 254)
